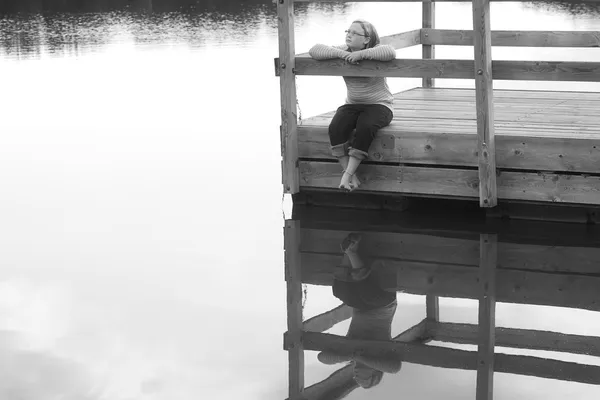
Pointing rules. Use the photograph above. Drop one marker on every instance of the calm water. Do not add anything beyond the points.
(141, 237)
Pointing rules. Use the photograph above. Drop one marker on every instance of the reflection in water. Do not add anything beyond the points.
(79, 27)
(443, 257)
(11, 6)
(356, 284)
(77, 34)
(567, 7)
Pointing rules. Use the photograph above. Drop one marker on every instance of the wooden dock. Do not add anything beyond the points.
(491, 146)
(525, 154)
(547, 147)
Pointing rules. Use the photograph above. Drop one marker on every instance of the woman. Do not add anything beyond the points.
(369, 102)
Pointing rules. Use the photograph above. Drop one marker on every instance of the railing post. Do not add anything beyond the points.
(488, 257)
(428, 49)
(485, 103)
(289, 136)
(293, 341)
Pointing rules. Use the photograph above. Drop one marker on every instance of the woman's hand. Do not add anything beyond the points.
(354, 57)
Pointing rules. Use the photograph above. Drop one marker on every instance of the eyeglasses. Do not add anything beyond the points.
(353, 32)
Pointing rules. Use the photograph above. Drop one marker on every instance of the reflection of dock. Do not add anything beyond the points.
(481, 144)
(522, 262)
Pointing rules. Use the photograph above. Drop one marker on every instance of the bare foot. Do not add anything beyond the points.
(351, 242)
(346, 182)
(355, 182)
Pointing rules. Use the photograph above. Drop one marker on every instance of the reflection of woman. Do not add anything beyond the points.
(372, 312)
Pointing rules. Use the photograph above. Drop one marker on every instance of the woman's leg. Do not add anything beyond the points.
(371, 119)
(340, 128)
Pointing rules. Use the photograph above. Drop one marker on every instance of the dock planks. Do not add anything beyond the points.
(547, 147)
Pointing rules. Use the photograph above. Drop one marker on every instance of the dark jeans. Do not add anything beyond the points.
(367, 119)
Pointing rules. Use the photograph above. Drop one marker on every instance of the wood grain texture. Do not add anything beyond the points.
(287, 83)
(517, 338)
(484, 99)
(428, 50)
(450, 143)
(572, 71)
(451, 37)
(403, 40)
(461, 183)
(457, 359)
(539, 131)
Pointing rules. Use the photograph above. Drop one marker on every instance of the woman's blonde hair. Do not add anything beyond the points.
(370, 32)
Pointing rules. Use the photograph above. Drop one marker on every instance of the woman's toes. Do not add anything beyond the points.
(345, 186)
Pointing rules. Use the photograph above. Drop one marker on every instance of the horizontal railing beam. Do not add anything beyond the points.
(453, 358)
(449, 37)
(397, 41)
(403, 40)
(327, 320)
(517, 338)
(573, 71)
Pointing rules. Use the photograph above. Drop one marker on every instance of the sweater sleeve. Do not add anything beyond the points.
(379, 53)
(324, 52)
(389, 365)
(330, 358)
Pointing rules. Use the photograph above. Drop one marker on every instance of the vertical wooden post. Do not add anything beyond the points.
(294, 309)
(432, 304)
(428, 49)
(488, 257)
(485, 103)
(289, 136)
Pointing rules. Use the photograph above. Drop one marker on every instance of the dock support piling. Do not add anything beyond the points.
(293, 341)
(287, 79)
(486, 148)
(488, 257)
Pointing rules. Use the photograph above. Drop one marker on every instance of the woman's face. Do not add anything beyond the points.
(355, 38)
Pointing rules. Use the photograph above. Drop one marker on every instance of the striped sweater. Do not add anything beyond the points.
(361, 90)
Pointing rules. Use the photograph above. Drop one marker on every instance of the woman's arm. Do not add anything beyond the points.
(324, 52)
(332, 358)
(380, 53)
(387, 365)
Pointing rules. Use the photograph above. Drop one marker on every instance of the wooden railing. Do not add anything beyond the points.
(482, 68)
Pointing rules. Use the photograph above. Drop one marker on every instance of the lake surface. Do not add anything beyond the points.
(140, 196)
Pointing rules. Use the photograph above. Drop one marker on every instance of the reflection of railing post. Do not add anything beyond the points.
(488, 256)
(432, 305)
(287, 65)
(428, 49)
(486, 148)
(294, 309)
